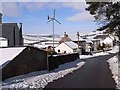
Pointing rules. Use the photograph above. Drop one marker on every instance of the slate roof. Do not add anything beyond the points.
(8, 54)
(64, 39)
(101, 37)
(74, 37)
(71, 44)
(3, 39)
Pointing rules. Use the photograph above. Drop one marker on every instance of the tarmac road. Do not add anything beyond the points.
(94, 74)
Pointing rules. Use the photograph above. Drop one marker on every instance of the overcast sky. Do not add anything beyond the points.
(33, 15)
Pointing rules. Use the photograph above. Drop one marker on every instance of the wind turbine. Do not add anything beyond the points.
(53, 19)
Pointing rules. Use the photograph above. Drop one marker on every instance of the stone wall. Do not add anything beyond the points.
(55, 61)
(29, 60)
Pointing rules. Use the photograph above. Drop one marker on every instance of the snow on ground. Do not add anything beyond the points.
(94, 55)
(114, 50)
(113, 65)
(41, 79)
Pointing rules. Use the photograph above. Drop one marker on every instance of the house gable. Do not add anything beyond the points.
(63, 47)
(12, 33)
(71, 44)
(9, 54)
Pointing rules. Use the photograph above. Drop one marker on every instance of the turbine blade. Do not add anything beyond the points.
(49, 21)
(54, 13)
(57, 21)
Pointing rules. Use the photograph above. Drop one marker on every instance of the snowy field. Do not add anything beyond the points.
(41, 78)
(113, 65)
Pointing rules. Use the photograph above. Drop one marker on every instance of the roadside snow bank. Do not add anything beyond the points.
(38, 80)
(113, 65)
(114, 50)
(94, 55)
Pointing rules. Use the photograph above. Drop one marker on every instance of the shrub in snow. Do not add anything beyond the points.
(113, 65)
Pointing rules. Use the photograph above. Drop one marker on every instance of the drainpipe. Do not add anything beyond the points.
(47, 63)
(14, 37)
(21, 38)
(1, 17)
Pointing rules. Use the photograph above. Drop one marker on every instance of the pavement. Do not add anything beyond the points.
(94, 74)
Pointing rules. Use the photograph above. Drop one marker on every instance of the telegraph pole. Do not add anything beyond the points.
(78, 39)
(78, 50)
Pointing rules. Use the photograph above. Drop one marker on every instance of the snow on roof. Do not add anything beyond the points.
(74, 37)
(7, 54)
(95, 40)
(101, 36)
(91, 37)
(39, 46)
(29, 41)
(34, 38)
(112, 37)
(116, 37)
(50, 42)
(2, 38)
(71, 44)
(44, 46)
(88, 41)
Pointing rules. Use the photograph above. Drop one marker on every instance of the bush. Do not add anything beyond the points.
(52, 52)
(99, 47)
(108, 46)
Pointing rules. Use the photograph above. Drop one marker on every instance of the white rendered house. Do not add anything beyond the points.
(67, 47)
(108, 40)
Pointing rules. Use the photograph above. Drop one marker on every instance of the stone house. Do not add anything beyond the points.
(12, 32)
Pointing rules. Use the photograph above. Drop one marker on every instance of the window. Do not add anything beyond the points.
(58, 51)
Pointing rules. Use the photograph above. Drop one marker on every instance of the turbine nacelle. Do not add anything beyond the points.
(53, 18)
(48, 17)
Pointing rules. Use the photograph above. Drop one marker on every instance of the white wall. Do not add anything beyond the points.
(63, 47)
(96, 44)
(86, 48)
(3, 43)
(108, 40)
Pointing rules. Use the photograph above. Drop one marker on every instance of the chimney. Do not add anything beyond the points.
(1, 17)
(21, 38)
(65, 35)
(0, 24)
(14, 41)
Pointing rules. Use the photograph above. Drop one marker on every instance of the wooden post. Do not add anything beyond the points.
(21, 38)
(78, 39)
